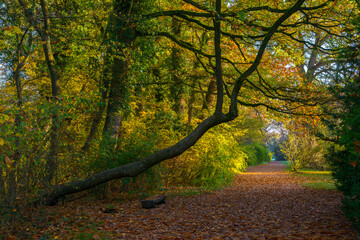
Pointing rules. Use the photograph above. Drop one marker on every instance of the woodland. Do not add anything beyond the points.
(113, 98)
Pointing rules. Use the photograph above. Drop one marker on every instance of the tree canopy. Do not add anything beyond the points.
(84, 82)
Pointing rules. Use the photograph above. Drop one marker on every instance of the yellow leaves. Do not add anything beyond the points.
(12, 30)
(2, 142)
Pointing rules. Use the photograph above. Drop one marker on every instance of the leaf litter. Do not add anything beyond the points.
(264, 203)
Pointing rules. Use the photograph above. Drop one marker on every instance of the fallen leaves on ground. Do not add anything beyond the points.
(263, 203)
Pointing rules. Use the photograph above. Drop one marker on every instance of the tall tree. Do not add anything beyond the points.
(122, 34)
(177, 86)
(44, 32)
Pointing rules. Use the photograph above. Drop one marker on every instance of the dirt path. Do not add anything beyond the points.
(265, 203)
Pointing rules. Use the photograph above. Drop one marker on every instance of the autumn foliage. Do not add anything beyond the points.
(136, 97)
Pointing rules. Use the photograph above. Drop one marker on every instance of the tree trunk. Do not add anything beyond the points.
(210, 95)
(2, 185)
(191, 106)
(21, 57)
(192, 99)
(11, 193)
(177, 87)
(44, 33)
(124, 35)
(52, 157)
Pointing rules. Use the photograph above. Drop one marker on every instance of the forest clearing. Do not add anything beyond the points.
(266, 202)
(104, 103)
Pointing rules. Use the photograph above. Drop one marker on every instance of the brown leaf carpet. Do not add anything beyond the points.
(264, 203)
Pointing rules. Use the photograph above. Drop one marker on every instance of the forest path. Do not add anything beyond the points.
(265, 203)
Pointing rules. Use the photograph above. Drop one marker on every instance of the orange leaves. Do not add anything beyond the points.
(10, 28)
(357, 145)
(354, 164)
(7, 160)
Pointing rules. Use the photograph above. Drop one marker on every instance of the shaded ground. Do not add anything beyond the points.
(264, 203)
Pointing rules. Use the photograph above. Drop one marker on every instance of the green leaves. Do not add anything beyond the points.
(241, 16)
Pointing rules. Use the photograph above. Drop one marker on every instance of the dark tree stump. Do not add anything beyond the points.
(152, 203)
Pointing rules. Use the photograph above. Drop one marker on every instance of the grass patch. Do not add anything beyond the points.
(316, 179)
(311, 178)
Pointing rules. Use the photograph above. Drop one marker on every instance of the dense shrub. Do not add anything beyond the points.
(134, 145)
(262, 153)
(346, 161)
(256, 154)
(212, 162)
(304, 150)
(345, 125)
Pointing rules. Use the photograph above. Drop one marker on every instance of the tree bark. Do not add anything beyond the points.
(124, 35)
(51, 164)
(210, 96)
(191, 104)
(12, 186)
(52, 156)
(177, 87)
(152, 203)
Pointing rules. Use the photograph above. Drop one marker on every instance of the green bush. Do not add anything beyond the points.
(262, 153)
(131, 148)
(256, 154)
(251, 157)
(211, 163)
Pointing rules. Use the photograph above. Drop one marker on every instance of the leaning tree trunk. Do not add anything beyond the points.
(133, 169)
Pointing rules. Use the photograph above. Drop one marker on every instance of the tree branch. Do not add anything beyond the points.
(239, 82)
